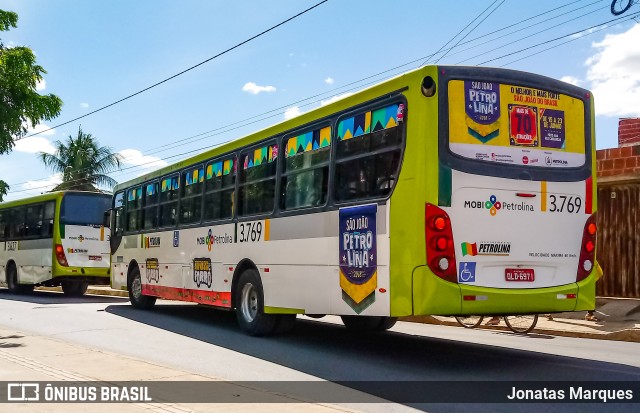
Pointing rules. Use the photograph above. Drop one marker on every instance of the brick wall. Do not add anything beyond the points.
(618, 161)
(623, 161)
(628, 132)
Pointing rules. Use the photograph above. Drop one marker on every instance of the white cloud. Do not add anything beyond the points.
(614, 74)
(329, 81)
(41, 85)
(34, 144)
(43, 185)
(292, 112)
(335, 98)
(570, 79)
(84, 105)
(255, 89)
(587, 32)
(135, 157)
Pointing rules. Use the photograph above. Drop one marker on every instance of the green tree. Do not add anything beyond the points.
(82, 163)
(20, 104)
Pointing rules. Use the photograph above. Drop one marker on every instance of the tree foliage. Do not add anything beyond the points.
(20, 104)
(82, 163)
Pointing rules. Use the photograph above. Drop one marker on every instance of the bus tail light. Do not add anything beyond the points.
(441, 256)
(587, 249)
(62, 259)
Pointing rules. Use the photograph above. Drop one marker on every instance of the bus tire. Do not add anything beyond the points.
(74, 288)
(12, 281)
(249, 300)
(368, 323)
(137, 299)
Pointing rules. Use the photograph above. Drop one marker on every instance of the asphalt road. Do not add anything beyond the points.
(203, 341)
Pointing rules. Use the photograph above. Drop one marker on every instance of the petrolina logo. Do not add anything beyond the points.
(499, 248)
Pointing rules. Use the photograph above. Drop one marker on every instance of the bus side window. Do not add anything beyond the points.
(17, 228)
(118, 205)
(305, 173)
(220, 182)
(49, 214)
(150, 206)
(169, 191)
(33, 220)
(4, 229)
(257, 180)
(134, 209)
(368, 154)
(191, 199)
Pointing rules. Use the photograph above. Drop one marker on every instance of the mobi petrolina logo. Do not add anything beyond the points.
(208, 240)
(493, 205)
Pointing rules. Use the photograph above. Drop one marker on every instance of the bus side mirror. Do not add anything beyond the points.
(106, 219)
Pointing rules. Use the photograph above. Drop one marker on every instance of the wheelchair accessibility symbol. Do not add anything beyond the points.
(467, 272)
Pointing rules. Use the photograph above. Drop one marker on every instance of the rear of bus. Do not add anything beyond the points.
(81, 253)
(514, 229)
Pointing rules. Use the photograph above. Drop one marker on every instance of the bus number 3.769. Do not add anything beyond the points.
(562, 203)
(250, 231)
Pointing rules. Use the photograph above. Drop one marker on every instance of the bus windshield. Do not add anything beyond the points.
(84, 209)
(502, 123)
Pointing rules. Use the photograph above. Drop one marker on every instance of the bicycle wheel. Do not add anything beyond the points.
(469, 321)
(521, 324)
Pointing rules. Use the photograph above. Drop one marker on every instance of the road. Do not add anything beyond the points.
(207, 342)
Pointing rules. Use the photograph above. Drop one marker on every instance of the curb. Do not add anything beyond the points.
(630, 335)
(91, 291)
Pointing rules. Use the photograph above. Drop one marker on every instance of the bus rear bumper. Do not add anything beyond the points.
(93, 276)
(462, 299)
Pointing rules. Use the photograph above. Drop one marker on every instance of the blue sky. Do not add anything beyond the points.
(97, 52)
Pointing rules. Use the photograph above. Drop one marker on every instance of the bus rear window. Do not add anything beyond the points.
(84, 209)
(506, 124)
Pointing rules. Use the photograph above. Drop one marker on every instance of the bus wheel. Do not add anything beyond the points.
(74, 288)
(249, 302)
(12, 282)
(368, 323)
(137, 299)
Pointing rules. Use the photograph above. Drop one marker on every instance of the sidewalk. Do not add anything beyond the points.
(618, 319)
(32, 358)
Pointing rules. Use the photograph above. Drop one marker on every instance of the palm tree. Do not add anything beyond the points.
(83, 163)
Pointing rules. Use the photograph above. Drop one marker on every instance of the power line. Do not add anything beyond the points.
(469, 32)
(558, 38)
(180, 73)
(242, 122)
(538, 31)
(458, 34)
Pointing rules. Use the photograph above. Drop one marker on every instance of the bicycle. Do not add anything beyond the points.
(469, 321)
(522, 323)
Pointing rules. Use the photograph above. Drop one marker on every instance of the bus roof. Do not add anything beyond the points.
(49, 196)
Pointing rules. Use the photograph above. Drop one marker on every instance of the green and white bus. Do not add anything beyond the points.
(55, 239)
(443, 191)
